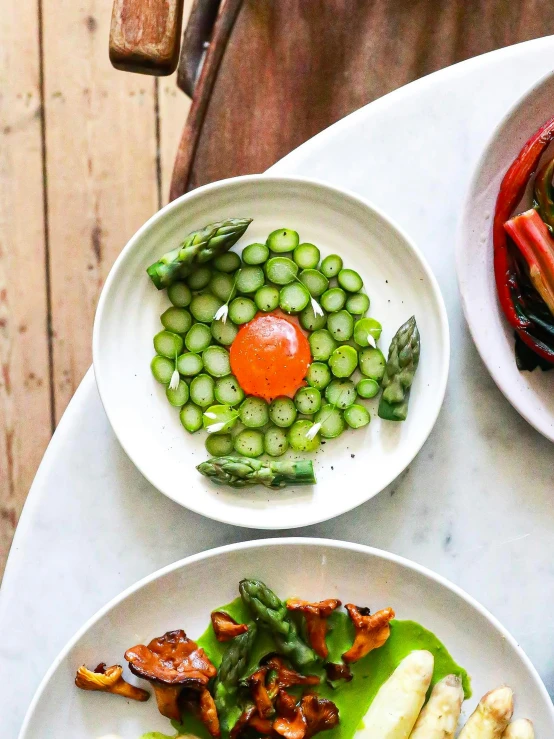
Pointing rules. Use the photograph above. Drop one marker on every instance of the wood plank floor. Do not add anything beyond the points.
(86, 155)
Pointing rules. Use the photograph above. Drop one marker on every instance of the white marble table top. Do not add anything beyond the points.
(475, 505)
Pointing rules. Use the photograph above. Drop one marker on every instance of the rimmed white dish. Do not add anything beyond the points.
(531, 393)
(183, 594)
(350, 469)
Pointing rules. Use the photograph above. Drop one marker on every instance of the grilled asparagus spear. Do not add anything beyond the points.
(272, 613)
(238, 472)
(399, 372)
(231, 671)
(198, 247)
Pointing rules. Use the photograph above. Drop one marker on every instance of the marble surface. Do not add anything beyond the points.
(476, 503)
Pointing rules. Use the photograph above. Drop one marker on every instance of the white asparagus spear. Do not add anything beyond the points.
(439, 718)
(396, 706)
(491, 716)
(520, 729)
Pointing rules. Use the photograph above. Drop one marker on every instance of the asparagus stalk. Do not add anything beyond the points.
(396, 706)
(264, 605)
(272, 613)
(231, 670)
(492, 715)
(520, 729)
(439, 718)
(198, 247)
(399, 372)
(238, 472)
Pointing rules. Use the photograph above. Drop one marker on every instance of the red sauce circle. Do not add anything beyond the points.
(270, 356)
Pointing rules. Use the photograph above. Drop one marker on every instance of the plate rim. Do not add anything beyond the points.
(461, 271)
(310, 182)
(336, 544)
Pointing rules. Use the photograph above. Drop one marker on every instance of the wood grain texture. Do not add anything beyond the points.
(292, 68)
(145, 35)
(25, 419)
(101, 166)
(202, 95)
(173, 111)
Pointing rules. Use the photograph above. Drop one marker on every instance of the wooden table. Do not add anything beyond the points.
(85, 158)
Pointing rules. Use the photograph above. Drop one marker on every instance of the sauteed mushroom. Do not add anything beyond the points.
(171, 662)
(372, 631)
(109, 680)
(316, 615)
(225, 627)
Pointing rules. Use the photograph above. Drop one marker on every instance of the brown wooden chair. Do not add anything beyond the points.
(266, 75)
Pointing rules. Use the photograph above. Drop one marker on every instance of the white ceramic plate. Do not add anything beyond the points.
(350, 469)
(183, 594)
(531, 393)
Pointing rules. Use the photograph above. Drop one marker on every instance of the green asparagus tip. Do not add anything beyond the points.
(152, 272)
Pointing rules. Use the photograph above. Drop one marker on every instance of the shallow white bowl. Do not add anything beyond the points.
(183, 594)
(531, 393)
(350, 469)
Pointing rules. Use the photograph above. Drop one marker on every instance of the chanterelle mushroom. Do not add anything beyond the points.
(320, 714)
(316, 615)
(109, 680)
(290, 722)
(283, 676)
(171, 662)
(202, 705)
(372, 631)
(225, 627)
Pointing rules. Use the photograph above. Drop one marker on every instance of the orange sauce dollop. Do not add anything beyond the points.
(270, 356)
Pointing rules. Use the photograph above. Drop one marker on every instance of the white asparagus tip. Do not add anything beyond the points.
(520, 729)
(439, 717)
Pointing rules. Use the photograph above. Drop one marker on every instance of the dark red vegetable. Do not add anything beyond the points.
(511, 192)
(533, 239)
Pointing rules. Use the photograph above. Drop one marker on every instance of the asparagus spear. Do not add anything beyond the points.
(520, 729)
(399, 372)
(396, 706)
(231, 670)
(238, 472)
(272, 613)
(492, 715)
(264, 605)
(198, 247)
(439, 717)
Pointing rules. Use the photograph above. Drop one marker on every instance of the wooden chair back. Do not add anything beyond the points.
(266, 75)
